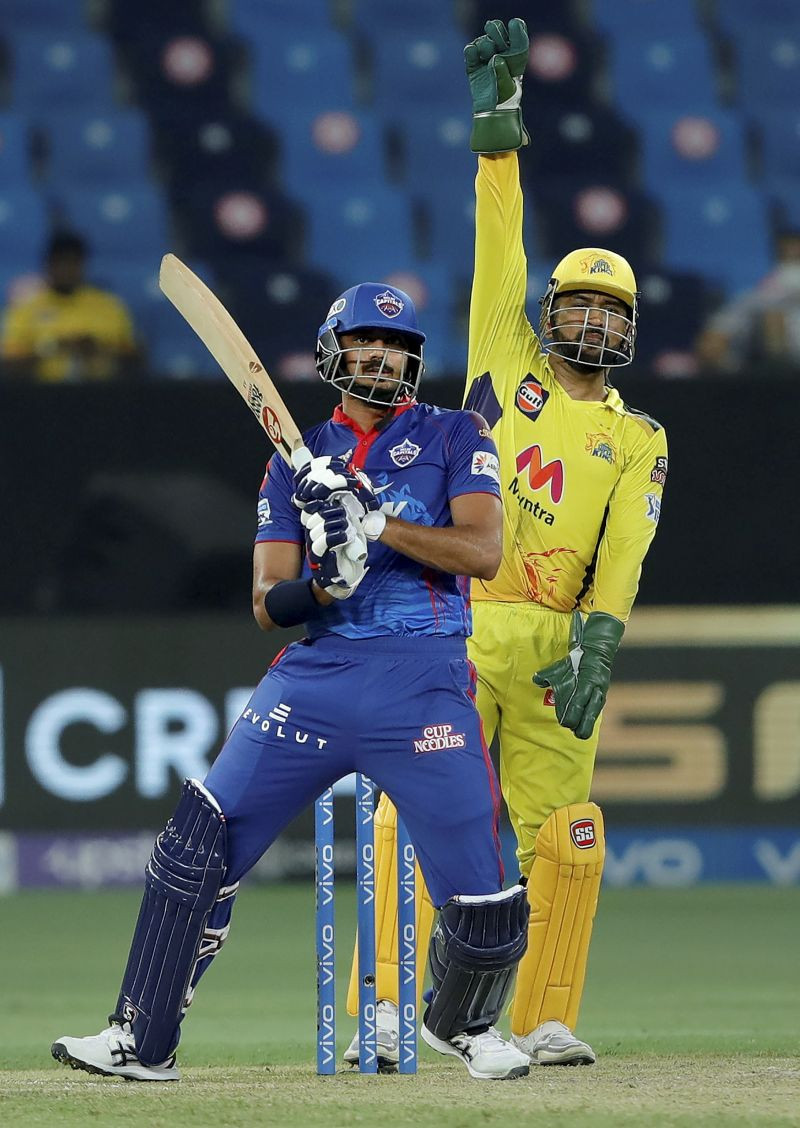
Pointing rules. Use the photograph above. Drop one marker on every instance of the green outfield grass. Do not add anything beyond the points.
(692, 1004)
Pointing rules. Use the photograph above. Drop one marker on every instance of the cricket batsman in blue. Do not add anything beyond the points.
(371, 546)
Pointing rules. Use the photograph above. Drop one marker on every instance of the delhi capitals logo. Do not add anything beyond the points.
(404, 453)
(389, 304)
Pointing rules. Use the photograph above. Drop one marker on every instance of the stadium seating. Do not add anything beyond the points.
(415, 70)
(668, 71)
(779, 132)
(127, 221)
(579, 141)
(15, 150)
(20, 16)
(631, 19)
(97, 149)
(263, 19)
(226, 147)
(578, 213)
(768, 67)
(720, 232)
(680, 150)
(74, 69)
(301, 68)
(330, 151)
(360, 233)
(218, 221)
(24, 225)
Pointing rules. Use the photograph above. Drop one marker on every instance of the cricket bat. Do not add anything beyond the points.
(234, 354)
(236, 357)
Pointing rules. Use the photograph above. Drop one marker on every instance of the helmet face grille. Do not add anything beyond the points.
(379, 386)
(584, 334)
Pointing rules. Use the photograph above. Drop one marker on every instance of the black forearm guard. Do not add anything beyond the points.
(291, 602)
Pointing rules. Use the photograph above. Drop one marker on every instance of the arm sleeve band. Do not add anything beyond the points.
(291, 602)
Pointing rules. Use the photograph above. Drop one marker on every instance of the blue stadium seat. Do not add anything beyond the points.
(784, 195)
(256, 20)
(630, 19)
(97, 148)
(24, 226)
(223, 148)
(301, 68)
(562, 65)
(238, 220)
(357, 235)
(673, 310)
(669, 72)
(769, 67)
(578, 141)
(19, 16)
(743, 18)
(179, 73)
(330, 150)
(125, 20)
(126, 221)
(451, 227)
(418, 70)
(436, 152)
(14, 150)
(136, 283)
(393, 17)
(779, 131)
(279, 308)
(174, 349)
(575, 213)
(721, 233)
(61, 70)
(692, 150)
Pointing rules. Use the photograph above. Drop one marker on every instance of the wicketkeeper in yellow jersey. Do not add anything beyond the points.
(582, 476)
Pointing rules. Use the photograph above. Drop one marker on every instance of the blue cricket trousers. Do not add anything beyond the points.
(399, 709)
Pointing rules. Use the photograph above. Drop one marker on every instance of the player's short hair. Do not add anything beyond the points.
(66, 243)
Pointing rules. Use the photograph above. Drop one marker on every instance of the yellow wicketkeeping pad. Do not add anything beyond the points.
(563, 888)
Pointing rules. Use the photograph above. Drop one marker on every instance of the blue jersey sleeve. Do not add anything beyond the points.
(278, 519)
(473, 466)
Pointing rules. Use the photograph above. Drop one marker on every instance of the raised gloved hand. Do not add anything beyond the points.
(580, 680)
(496, 62)
(336, 548)
(327, 478)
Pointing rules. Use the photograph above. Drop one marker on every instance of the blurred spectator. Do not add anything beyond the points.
(762, 325)
(68, 330)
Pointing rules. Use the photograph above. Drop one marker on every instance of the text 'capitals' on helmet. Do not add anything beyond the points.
(592, 268)
(374, 305)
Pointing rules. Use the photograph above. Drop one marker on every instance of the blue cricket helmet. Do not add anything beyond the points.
(374, 305)
(371, 305)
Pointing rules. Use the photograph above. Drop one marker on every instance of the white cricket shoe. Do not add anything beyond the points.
(487, 1056)
(112, 1053)
(387, 1023)
(553, 1043)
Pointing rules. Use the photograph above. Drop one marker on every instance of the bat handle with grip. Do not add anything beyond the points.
(301, 456)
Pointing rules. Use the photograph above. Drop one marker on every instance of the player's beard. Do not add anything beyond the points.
(369, 390)
(571, 350)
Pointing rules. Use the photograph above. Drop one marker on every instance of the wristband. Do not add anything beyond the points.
(291, 602)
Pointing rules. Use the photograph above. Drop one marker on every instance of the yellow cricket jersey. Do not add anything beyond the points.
(582, 480)
(42, 327)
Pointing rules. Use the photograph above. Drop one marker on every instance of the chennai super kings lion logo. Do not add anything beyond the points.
(542, 573)
(601, 445)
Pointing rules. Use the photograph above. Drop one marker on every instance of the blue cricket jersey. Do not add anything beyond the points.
(418, 459)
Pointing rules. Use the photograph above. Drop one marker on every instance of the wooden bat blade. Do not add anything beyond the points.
(232, 351)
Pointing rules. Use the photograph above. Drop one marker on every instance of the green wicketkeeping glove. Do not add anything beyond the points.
(495, 64)
(580, 681)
